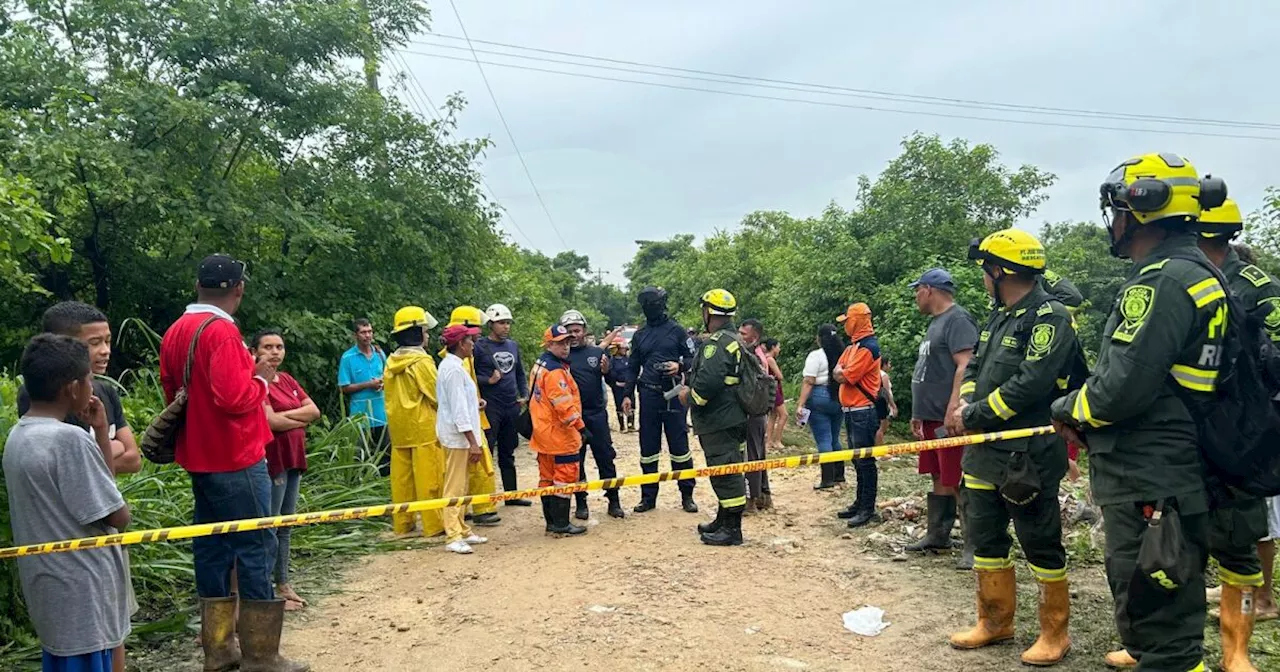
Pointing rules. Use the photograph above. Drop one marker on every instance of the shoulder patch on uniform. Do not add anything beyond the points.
(1153, 267)
(716, 336)
(1255, 275)
(1041, 339)
(1135, 307)
(1052, 278)
(708, 350)
(984, 336)
(732, 347)
(1046, 309)
(1272, 319)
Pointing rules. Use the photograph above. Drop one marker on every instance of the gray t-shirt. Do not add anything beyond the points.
(60, 488)
(949, 332)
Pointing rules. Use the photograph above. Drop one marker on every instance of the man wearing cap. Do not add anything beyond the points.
(417, 461)
(459, 431)
(480, 472)
(558, 429)
(935, 390)
(360, 378)
(222, 444)
(500, 374)
(589, 365)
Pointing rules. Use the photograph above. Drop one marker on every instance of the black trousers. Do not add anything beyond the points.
(597, 422)
(657, 417)
(1038, 525)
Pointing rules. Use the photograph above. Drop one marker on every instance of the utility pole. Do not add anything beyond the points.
(371, 54)
(600, 275)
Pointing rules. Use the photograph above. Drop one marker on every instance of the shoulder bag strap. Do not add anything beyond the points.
(191, 351)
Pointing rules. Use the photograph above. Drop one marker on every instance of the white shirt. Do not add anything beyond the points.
(815, 366)
(459, 404)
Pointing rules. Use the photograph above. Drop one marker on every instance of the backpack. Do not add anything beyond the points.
(755, 388)
(160, 442)
(1240, 433)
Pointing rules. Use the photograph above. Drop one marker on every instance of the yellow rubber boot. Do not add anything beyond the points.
(1120, 660)
(1237, 626)
(997, 599)
(1055, 614)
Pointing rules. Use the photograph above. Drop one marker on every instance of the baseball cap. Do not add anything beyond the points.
(938, 278)
(453, 335)
(220, 271)
(554, 333)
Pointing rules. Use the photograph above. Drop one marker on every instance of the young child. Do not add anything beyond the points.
(61, 485)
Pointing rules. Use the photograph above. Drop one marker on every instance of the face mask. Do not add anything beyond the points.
(655, 312)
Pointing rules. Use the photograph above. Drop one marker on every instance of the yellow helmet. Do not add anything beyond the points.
(1011, 249)
(469, 316)
(1224, 220)
(413, 316)
(1161, 186)
(720, 302)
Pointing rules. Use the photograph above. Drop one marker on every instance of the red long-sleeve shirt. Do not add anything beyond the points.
(226, 426)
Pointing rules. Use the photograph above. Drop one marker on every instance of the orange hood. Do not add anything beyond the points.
(857, 322)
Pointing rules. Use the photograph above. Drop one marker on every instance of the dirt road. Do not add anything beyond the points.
(644, 594)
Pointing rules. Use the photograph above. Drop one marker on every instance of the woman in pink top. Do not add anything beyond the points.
(768, 352)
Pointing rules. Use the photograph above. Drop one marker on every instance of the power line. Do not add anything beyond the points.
(436, 114)
(866, 93)
(869, 108)
(505, 126)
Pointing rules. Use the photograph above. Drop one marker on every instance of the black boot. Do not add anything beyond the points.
(730, 532)
(687, 503)
(942, 516)
(645, 505)
(509, 485)
(868, 482)
(631, 422)
(560, 517)
(581, 512)
(713, 526)
(547, 513)
(615, 506)
(622, 423)
(837, 473)
(827, 478)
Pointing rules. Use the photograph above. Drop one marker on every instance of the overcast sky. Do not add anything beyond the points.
(616, 162)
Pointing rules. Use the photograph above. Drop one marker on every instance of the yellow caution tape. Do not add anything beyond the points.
(209, 529)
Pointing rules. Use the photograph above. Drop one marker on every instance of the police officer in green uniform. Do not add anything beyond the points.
(1061, 289)
(1161, 344)
(1240, 521)
(718, 419)
(1023, 361)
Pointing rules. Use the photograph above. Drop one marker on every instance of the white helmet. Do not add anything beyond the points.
(498, 312)
(572, 317)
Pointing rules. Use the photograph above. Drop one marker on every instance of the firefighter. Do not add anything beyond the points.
(417, 459)
(1156, 371)
(479, 474)
(589, 366)
(718, 418)
(619, 382)
(1240, 520)
(1026, 347)
(661, 352)
(558, 430)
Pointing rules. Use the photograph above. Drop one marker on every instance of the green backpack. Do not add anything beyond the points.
(755, 388)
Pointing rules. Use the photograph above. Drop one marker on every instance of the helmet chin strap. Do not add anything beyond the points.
(996, 279)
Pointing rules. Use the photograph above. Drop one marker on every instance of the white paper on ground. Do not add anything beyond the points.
(867, 621)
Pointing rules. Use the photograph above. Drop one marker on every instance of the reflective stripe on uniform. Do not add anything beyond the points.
(650, 459)
(732, 380)
(572, 419)
(1063, 382)
(974, 483)
(1239, 580)
(1048, 575)
(1206, 292)
(982, 564)
(697, 398)
(687, 457)
(1081, 411)
(968, 387)
(998, 405)
(1200, 380)
(733, 502)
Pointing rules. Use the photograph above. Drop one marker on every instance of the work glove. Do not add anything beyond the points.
(586, 435)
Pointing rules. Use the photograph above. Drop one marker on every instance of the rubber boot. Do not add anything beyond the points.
(1055, 613)
(631, 422)
(644, 505)
(581, 511)
(730, 532)
(547, 514)
(687, 503)
(713, 526)
(965, 561)
(261, 622)
(509, 485)
(1236, 621)
(560, 517)
(622, 423)
(942, 517)
(615, 506)
(827, 479)
(218, 633)
(1120, 660)
(837, 473)
(997, 599)
(865, 501)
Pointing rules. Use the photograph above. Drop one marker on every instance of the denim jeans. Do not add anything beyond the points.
(861, 424)
(284, 502)
(825, 418)
(234, 495)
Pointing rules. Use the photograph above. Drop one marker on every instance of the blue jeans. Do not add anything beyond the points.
(861, 424)
(234, 495)
(284, 502)
(825, 419)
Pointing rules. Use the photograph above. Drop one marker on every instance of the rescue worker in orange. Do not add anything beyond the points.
(859, 376)
(555, 407)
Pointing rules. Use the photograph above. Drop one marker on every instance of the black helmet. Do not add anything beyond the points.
(652, 295)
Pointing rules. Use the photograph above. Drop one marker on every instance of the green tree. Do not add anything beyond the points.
(24, 234)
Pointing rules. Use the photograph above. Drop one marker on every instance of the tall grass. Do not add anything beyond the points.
(160, 496)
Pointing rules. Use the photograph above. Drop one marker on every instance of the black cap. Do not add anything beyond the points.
(219, 271)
